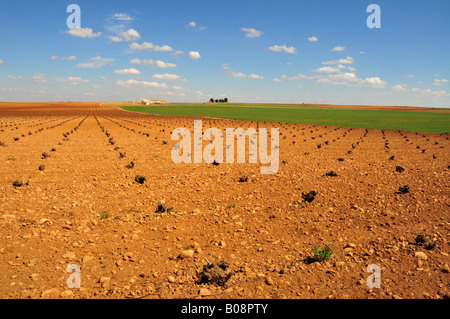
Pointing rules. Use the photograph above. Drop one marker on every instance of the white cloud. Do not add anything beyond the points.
(400, 87)
(83, 33)
(431, 93)
(177, 52)
(193, 24)
(149, 47)
(130, 35)
(411, 76)
(39, 78)
(194, 55)
(1, 62)
(12, 77)
(440, 81)
(69, 58)
(284, 48)
(155, 64)
(297, 77)
(351, 79)
(115, 39)
(347, 60)
(338, 48)
(313, 39)
(130, 71)
(328, 69)
(72, 79)
(54, 57)
(132, 82)
(374, 82)
(252, 33)
(225, 66)
(168, 77)
(246, 76)
(121, 17)
(94, 63)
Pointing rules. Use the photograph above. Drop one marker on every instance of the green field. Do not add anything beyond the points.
(429, 122)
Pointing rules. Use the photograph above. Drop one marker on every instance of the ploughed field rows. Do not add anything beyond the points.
(97, 187)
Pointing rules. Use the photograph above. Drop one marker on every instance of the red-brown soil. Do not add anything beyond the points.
(85, 208)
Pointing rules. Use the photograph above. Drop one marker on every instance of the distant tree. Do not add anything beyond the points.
(217, 101)
(225, 100)
(211, 100)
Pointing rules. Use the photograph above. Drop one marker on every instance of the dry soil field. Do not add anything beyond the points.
(69, 196)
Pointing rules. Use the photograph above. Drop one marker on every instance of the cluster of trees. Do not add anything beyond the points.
(225, 100)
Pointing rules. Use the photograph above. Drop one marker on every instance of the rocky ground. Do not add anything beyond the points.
(70, 196)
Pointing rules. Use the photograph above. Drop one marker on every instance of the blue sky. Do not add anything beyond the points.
(249, 51)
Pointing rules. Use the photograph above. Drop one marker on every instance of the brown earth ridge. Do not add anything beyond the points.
(96, 187)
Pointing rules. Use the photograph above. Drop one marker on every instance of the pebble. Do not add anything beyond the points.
(421, 255)
(69, 255)
(187, 253)
(171, 279)
(51, 294)
(204, 292)
(67, 294)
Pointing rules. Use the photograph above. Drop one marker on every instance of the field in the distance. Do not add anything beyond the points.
(69, 195)
(394, 118)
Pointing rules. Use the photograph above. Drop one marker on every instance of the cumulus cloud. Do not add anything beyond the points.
(431, 93)
(328, 69)
(130, 71)
(132, 82)
(374, 82)
(83, 33)
(338, 48)
(347, 60)
(1, 62)
(39, 78)
(121, 17)
(193, 24)
(194, 55)
(400, 87)
(72, 79)
(252, 33)
(12, 77)
(313, 39)
(150, 47)
(168, 77)
(245, 76)
(95, 63)
(283, 48)
(69, 58)
(440, 81)
(127, 36)
(155, 64)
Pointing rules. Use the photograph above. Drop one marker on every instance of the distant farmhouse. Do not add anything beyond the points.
(148, 102)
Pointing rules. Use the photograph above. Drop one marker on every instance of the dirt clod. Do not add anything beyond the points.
(140, 179)
(214, 274)
(309, 197)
